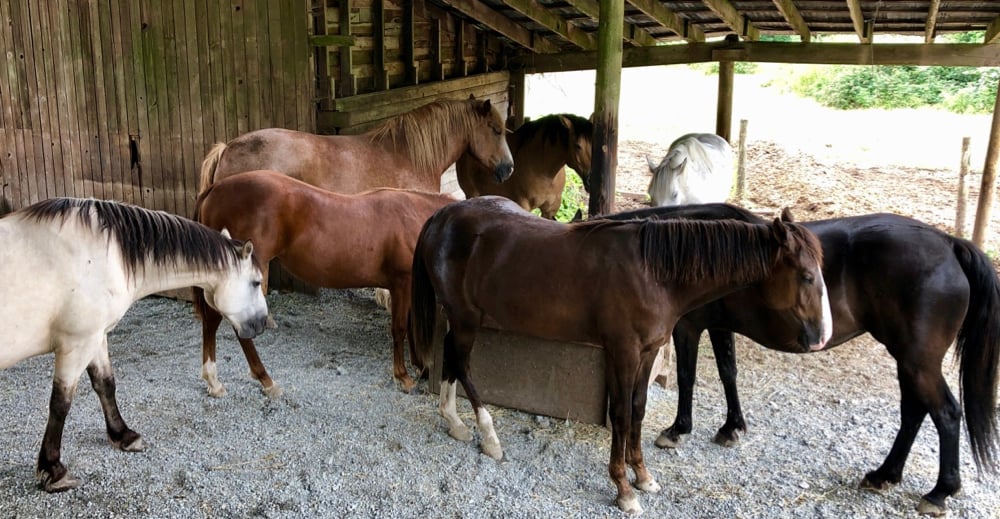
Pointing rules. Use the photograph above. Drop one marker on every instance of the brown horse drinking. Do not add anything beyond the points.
(408, 151)
(325, 239)
(542, 148)
(621, 285)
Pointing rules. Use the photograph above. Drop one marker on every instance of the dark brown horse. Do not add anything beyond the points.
(323, 238)
(542, 148)
(408, 151)
(915, 289)
(621, 285)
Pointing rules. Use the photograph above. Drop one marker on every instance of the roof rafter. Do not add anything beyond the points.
(858, 17)
(794, 18)
(993, 31)
(630, 32)
(669, 19)
(731, 17)
(556, 24)
(485, 15)
(931, 25)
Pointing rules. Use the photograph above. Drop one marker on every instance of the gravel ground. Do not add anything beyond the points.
(344, 441)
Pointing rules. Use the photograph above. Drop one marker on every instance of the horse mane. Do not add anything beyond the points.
(425, 131)
(552, 128)
(679, 250)
(142, 234)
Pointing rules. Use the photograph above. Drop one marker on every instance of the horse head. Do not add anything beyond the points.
(237, 294)
(488, 139)
(665, 186)
(579, 155)
(796, 284)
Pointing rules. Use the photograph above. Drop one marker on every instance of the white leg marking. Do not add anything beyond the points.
(211, 375)
(456, 428)
(490, 443)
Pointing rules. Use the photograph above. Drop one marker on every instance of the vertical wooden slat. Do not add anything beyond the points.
(987, 185)
(227, 38)
(215, 54)
(109, 130)
(240, 60)
(89, 173)
(411, 74)
(156, 102)
(347, 85)
(127, 23)
(12, 155)
(186, 72)
(48, 104)
(321, 57)
(265, 70)
(196, 142)
(254, 70)
(93, 113)
(305, 101)
(963, 171)
(461, 66)
(287, 20)
(206, 67)
(32, 146)
(278, 57)
(437, 67)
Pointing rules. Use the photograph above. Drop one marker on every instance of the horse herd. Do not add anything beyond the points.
(319, 205)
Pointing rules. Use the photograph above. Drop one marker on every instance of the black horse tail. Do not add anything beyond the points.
(978, 349)
(423, 306)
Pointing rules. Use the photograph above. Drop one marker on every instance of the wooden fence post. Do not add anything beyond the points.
(741, 161)
(963, 170)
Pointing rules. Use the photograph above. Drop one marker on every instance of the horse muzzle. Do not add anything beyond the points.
(252, 327)
(503, 171)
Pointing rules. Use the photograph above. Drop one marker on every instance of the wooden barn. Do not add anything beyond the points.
(120, 99)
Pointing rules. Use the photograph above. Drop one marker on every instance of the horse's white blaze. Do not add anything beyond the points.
(448, 409)
(827, 317)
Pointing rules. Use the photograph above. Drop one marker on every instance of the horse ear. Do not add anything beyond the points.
(786, 215)
(247, 249)
(578, 217)
(225, 234)
(780, 232)
(472, 96)
(566, 122)
(652, 165)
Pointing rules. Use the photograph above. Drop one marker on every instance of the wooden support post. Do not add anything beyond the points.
(604, 161)
(482, 52)
(515, 108)
(963, 170)
(381, 75)
(724, 112)
(741, 161)
(412, 76)
(437, 69)
(461, 67)
(986, 188)
(324, 83)
(348, 87)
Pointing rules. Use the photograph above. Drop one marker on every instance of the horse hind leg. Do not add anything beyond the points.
(400, 300)
(725, 359)
(49, 470)
(633, 454)
(448, 404)
(210, 321)
(102, 379)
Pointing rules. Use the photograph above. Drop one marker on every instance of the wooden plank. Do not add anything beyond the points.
(411, 74)
(32, 145)
(858, 19)
(992, 31)
(321, 56)
(186, 73)
(347, 82)
(378, 52)
(437, 62)
(404, 94)
(485, 15)
(11, 158)
(90, 173)
(265, 71)
(277, 57)
(608, 90)
(255, 107)
(110, 131)
(230, 80)
(988, 183)
(194, 109)
(306, 88)
(127, 46)
(155, 104)
(542, 16)
(665, 17)
(47, 99)
(287, 71)
(461, 66)
(724, 105)
(794, 18)
(240, 60)
(216, 91)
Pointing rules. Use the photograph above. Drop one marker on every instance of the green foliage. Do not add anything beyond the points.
(572, 197)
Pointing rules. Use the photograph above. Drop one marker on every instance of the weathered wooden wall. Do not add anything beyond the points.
(120, 99)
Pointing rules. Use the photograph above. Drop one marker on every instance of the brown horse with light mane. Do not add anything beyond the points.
(620, 285)
(410, 151)
(542, 148)
(326, 239)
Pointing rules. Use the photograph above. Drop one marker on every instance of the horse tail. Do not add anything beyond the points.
(978, 348)
(209, 165)
(423, 307)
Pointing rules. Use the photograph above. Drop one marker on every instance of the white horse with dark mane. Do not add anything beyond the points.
(698, 169)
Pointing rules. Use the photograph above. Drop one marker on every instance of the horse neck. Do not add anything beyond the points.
(154, 278)
(547, 160)
(452, 141)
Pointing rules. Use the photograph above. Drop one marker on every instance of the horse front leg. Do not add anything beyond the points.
(50, 472)
(620, 374)
(399, 296)
(685, 339)
(258, 371)
(102, 379)
(633, 454)
(210, 321)
(912, 413)
(725, 359)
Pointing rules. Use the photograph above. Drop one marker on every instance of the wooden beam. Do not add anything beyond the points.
(669, 19)
(931, 24)
(348, 85)
(604, 155)
(858, 18)
(941, 54)
(731, 17)
(988, 184)
(794, 18)
(552, 22)
(410, 72)
(485, 15)
(993, 31)
(724, 104)
(630, 32)
(331, 40)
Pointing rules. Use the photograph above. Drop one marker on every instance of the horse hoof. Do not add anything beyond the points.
(868, 484)
(726, 440)
(661, 380)
(273, 392)
(664, 441)
(649, 485)
(67, 482)
(217, 391)
(629, 505)
(492, 449)
(461, 434)
(270, 324)
(407, 384)
(927, 508)
(136, 445)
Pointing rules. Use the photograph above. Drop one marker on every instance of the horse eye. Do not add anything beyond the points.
(807, 278)
(256, 284)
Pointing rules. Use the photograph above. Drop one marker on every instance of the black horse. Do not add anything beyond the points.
(915, 289)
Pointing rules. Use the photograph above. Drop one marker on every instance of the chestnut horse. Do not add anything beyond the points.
(915, 289)
(71, 268)
(408, 151)
(326, 239)
(542, 148)
(621, 285)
